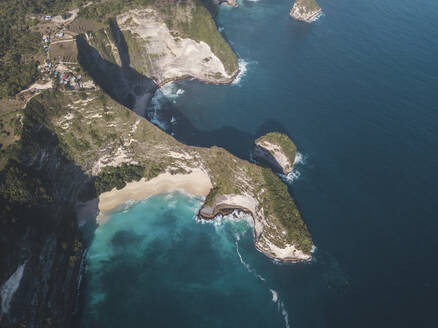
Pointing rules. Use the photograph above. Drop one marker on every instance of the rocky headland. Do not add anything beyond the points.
(305, 10)
(69, 154)
(277, 150)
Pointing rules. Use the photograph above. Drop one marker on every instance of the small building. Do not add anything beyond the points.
(59, 34)
(47, 18)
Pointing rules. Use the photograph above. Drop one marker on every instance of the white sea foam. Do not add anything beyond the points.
(10, 287)
(291, 177)
(299, 159)
(316, 17)
(247, 266)
(220, 29)
(284, 313)
(235, 216)
(243, 68)
(168, 92)
(274, 295)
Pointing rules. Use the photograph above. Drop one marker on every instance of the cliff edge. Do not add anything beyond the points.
(276, 150)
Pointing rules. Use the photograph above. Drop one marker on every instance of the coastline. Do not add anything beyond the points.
(188, 77)
(197, 183)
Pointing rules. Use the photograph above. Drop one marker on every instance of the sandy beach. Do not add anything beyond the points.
(196, 183)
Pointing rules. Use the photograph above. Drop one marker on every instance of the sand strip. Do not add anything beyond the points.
(196, 183)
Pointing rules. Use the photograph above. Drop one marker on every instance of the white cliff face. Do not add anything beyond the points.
(9, 288)
(277, 153)
(305, 10)
(267, 238)
(164, 55)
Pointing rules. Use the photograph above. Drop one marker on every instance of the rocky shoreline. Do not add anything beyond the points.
(190, 77)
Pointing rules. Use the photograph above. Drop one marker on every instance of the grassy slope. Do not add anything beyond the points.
(189, 19)
(81, 122)
(286, 144)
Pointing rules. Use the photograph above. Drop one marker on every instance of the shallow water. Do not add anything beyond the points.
(356, 91)
(153, 263)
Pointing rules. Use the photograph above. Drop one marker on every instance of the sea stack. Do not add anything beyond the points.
(305, 10)
(276, 150)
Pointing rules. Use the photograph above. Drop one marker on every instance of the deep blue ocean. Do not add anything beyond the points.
(357, 91)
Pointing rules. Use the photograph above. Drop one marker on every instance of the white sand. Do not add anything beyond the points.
(196, 183)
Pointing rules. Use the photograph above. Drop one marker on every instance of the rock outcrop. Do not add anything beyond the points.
(166, 54)
(305, 10)
(276, 150)
(69, 146)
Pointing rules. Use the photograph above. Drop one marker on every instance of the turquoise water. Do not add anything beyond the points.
(153, 264)
(357, 92)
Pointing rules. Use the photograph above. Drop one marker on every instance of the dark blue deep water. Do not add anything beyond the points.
(357, 91)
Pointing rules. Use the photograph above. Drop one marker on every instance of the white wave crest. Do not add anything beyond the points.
(284, 313)
(316, 17)
(235, 216)
(243, 64)
(299, 159)
(291, 177)
(274, 295)
(247, 266)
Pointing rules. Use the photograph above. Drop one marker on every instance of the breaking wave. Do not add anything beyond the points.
(243, 68)
(246, 265)
(167, 93)
(220, 219)
(275, 296)
(300, 160)
(291, 177)
(316, 17)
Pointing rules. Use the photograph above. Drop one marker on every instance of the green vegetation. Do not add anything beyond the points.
(21, 187)
(189, 19)
(202, 27)
(281, 139)
(283, 207)
(116, 177)
(111, 177)
(108, 9)
(20, 46)
(310, 5)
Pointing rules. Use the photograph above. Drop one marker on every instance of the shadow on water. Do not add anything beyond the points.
(135, 91)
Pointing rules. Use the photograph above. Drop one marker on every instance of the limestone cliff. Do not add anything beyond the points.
(167, 43)
(305, 10)
(276, 150)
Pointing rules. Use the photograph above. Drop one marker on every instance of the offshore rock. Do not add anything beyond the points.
(305, 10)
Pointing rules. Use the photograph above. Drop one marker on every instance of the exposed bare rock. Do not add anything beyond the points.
(305, 10)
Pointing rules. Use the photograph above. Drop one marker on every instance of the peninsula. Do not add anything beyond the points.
(75, 143)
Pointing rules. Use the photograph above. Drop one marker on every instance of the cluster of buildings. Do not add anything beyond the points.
(46, 41)
(68, 79)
